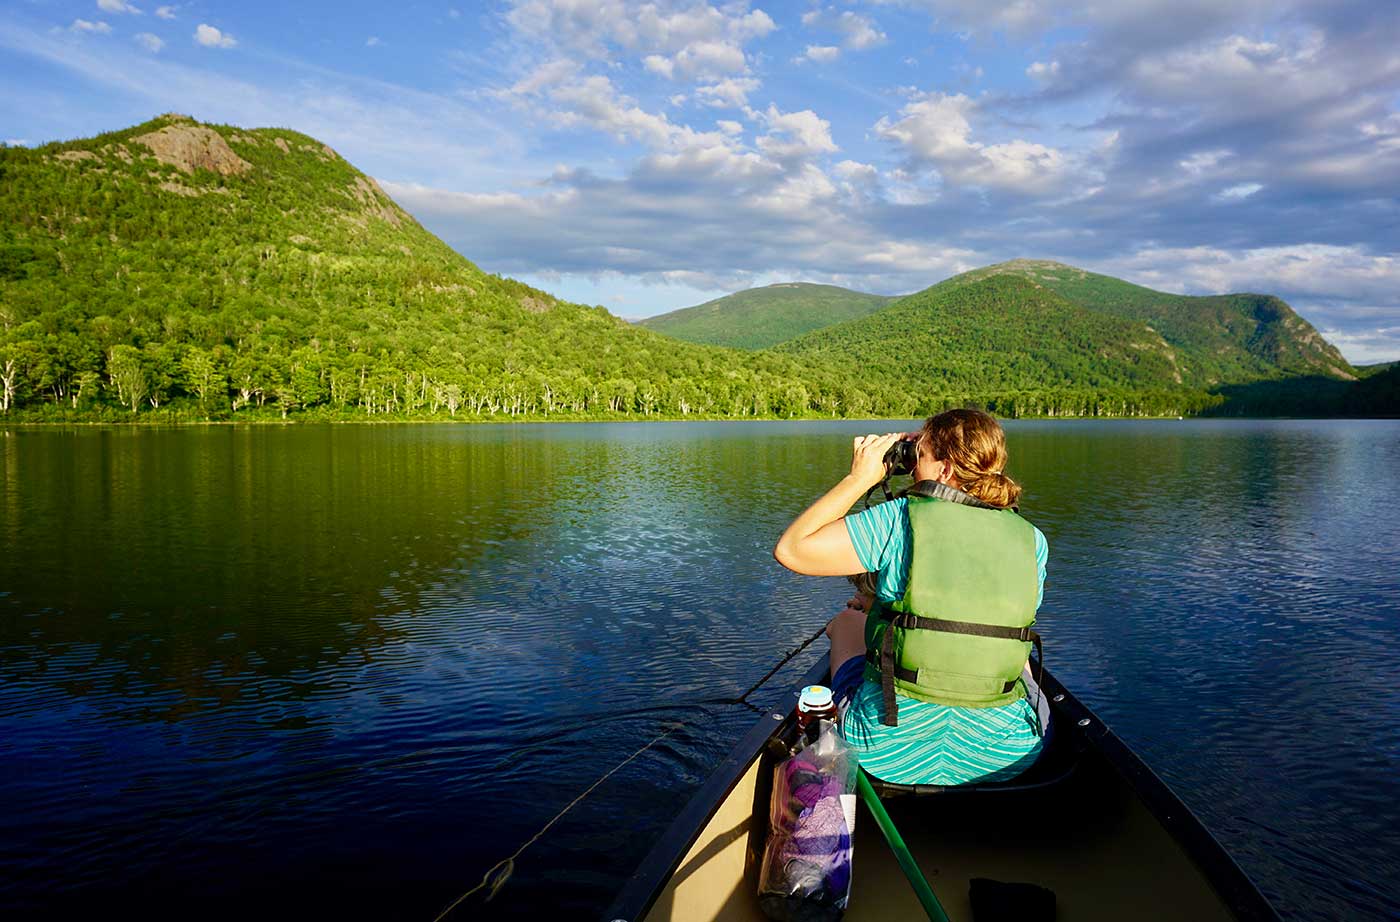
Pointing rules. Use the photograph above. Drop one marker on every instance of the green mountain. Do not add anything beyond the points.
(1366, 371)
(1019, 346)
(1041, 338)
(1218, 339)
(763, 317)
(183, 270)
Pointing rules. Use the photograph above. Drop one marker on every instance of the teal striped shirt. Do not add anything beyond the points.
(934, 743)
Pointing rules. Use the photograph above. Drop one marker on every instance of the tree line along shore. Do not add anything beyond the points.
(181, 272)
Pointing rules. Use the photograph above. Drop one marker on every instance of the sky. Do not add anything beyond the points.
(648, 155)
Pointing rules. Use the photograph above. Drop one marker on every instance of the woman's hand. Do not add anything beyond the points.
(817, 543)
(868, 463)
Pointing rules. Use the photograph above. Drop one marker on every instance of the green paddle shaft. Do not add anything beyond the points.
(901, 851)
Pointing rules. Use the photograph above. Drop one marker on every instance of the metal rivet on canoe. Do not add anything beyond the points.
(1084, 722)
(1058, 698)
(776, 716)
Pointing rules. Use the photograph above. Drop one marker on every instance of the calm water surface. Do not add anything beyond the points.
(344, 670)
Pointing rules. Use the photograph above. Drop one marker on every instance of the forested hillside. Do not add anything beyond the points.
(1219, 339)
(762, 317)
(1016, 347)
(179, 270)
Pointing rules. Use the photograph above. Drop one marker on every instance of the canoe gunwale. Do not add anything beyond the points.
(1224, 875)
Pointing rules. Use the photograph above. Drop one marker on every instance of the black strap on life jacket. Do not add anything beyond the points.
(932, 489)
(898, 619)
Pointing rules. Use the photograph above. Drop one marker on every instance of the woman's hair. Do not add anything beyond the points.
(976, 445)
(864, 582)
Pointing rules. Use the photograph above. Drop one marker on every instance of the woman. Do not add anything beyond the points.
(934, 672)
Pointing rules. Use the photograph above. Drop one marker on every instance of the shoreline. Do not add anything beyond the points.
(535, 421)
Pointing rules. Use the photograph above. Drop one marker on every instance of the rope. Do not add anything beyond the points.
(772, 672)
(495, 878)
(500, 872)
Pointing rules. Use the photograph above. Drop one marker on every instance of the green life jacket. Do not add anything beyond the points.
(962, 632)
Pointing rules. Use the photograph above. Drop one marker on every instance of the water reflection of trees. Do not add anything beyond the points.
(208, 562)
(158, 574)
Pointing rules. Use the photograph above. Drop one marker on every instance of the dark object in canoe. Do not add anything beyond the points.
(1089, 822)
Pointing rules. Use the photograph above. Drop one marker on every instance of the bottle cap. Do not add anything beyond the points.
(814, 698)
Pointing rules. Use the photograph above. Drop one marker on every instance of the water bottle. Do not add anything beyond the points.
(813, 705)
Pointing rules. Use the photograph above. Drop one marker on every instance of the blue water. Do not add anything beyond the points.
(344, 670)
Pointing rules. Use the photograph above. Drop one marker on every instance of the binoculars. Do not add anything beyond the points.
(901, 457)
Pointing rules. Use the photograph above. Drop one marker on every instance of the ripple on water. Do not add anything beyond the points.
(379, 659)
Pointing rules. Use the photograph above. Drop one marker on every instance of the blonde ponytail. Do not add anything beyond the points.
(975, 444)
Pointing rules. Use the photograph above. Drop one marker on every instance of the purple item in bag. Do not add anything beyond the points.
(806, 872)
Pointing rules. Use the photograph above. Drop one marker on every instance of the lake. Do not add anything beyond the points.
(346, 669)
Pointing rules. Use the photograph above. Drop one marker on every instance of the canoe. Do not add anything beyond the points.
(1090, 822)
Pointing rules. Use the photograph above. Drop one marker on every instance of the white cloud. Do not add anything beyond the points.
(935, 131)
(210, 37)
(819, 54)
(373, 42)
(1043, 71)
(733, 225)
(1164, 19)
(660, 64)
(595, 102)
(705, 60)
(729, 127)
(795, 135)
(640, 27)
(166, 12)
(1379, 344)
(1236, 69)
(858, 33)
(152, 43)
(1238, 192)
(798, 191)
(730, 93)
(83, 25)
(549, 74)
(854, 171)
(860, 181)
(1203, 161)
(117, 6)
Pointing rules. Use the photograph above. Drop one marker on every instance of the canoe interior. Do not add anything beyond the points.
(1106, 850)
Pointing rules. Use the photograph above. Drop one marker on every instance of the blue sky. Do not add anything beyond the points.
(647, 154)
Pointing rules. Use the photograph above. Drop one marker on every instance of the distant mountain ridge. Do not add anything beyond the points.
(1043, 338)
(757, 318)
(1221, 338)
(1194, 341)
(1031, 351)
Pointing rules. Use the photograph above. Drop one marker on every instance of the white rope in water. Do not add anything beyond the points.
(500, 872)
